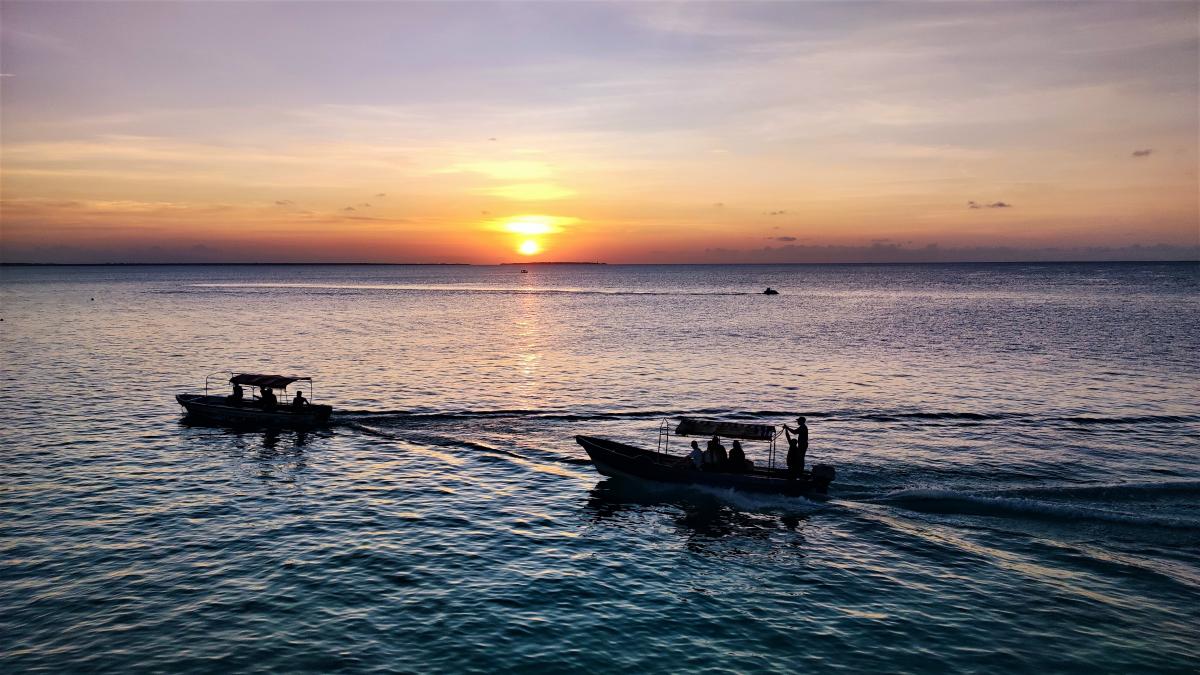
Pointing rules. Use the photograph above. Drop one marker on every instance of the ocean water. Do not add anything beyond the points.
(1017, 451)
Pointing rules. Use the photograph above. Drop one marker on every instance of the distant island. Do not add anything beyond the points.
(565, 262)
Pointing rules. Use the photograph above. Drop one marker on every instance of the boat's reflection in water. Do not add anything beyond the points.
(701, 516)
(277, 453)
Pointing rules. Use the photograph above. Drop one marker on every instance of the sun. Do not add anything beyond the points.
(529, 247)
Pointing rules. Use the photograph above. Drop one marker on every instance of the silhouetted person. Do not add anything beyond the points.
(267, 398)
(718, 453)
(797, 447)
(299, 400)
(696, 455)
(237, 395)
(737, 458)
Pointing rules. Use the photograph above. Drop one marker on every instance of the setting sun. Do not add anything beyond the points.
(529, 247)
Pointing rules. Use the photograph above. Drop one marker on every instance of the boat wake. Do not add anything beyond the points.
(1164, 506)
(763, 503)
(899, 417)
(420, 437)
(501, 290)
(1007, 504)
(409, 416)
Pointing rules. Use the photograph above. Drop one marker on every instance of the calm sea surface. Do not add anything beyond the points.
(1017, 448)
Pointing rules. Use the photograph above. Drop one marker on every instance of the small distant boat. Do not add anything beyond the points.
(770, 291)
(615, 459)
(524, 271)
(261, 410)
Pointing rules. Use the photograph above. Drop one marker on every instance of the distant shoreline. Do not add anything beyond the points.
(228, 264)
(512, 264)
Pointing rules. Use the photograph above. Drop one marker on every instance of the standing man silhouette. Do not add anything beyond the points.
(797, 447)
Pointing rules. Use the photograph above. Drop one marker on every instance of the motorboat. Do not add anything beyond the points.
(621, 460)
(262, 409)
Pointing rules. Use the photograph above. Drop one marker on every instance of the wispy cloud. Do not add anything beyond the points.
(992, 205)
(1142, 153)
(504, 170)
(530, 192)
(887, 251)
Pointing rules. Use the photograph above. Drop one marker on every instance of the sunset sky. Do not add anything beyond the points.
(647, 132)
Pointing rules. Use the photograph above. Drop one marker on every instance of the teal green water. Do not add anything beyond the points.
(1017, 449)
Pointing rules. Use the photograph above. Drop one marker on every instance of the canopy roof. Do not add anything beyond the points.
(268, 381)
(691, 426)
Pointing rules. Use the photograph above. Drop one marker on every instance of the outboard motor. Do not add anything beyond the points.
(823, 475)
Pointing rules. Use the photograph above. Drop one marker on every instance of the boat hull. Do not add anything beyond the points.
(620, 460)
(219, 410)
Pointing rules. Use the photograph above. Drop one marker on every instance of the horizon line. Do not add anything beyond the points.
(655, 264)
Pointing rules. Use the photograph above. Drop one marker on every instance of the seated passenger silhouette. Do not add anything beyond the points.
(696, 455)
(737, 458)
(718, 454)
(237, 395)
(267, 399)
(299, 400)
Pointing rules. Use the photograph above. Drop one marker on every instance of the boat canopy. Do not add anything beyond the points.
(691, 426)
(268, 381)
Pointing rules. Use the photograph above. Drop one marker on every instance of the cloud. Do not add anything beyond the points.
(993, 205)
(349, 208)
(1142, 153)
(505, 170)
(364, 204)
(775, 213)
(284, 202)
(719, 205)
(532, 224)
(529, 192)
(783, 238)
(882, 251)
(380, 194)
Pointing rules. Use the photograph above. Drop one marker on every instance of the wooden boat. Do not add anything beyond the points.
(612, 458)
(233, 410)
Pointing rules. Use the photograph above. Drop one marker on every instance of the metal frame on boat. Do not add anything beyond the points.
(227, 410)
(616, 459)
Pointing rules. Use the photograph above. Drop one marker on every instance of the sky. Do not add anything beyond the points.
(598, 131)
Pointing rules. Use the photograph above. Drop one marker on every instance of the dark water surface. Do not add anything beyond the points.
(1018, 489)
